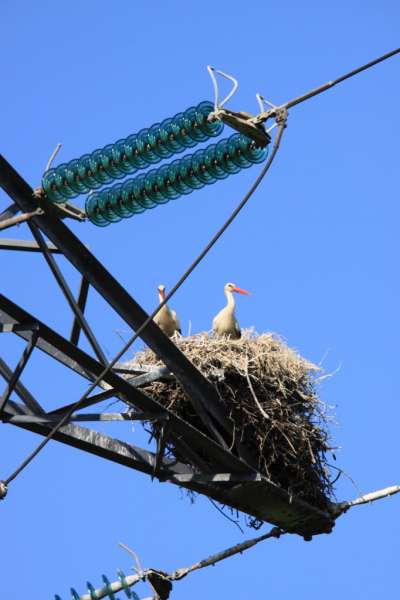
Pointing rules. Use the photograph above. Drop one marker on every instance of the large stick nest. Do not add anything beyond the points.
(270, 393)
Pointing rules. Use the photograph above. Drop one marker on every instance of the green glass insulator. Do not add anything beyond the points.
(50, 187)
(120, 158)
(132, 153)
(108, 162)
(105, 207)
(62, 182)
(74, 180)
(91, 590)
(164, 184)
(180, 133)
(152, 189)
(168, 138)
(135, 596)
(57, 597)
(145, 149)
(74, 594)
(176, 179)
(107, 586)
(156, 142)
(93, 211)
(236, 153)
(188, 174)
(140, 192)
(85, 173)
(129, 199)
(191, 125)
(125, 586)
(250, 151)
(117, 203)
(210, 128)
(200, 168)
(212, 163)
(224, 158)
(97, 168)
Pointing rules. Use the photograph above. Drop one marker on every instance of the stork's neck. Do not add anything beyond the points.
(231, 300)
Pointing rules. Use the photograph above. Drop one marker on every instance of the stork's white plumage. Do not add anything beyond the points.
(225, 322)
(166, 319)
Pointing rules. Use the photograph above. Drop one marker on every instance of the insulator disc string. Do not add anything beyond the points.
(137, 151)
(168, 182)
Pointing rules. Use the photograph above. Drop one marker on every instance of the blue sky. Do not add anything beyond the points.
(317, 246)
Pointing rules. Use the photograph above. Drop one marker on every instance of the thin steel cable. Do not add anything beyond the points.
(221, 231)
(167, 298)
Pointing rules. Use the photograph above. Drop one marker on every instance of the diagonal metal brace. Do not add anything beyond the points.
(20, 389)
(20, 367)
(161, 443)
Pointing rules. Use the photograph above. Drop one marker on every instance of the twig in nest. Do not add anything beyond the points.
(311, 452)
(260, 408)
(318, 381)
(225, 515)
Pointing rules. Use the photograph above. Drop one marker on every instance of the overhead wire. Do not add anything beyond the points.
(76, 406)
(276, 145)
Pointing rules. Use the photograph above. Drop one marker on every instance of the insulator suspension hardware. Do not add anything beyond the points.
(170, 181)
(109, 590)
(125, 157)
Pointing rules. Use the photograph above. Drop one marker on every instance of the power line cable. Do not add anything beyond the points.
(76, 406)
(281, 127)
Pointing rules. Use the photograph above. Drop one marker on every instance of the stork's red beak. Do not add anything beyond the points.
(236, 289)
(162, 293)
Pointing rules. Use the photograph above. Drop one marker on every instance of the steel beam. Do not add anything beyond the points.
(209, 477)
(84, 325)
(26, 246)
(81, 301)
(10, 212)
(200, 390)
(99, 444)
(20, 389)
(136, 369)
(250, 493)
(20, 367)
(54, 419)
(161, 444)
(6, 319)
(14, 327)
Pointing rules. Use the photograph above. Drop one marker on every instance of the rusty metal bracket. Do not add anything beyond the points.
(20, 218)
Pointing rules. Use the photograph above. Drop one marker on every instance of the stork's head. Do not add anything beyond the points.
(231, 287)
(161, 290)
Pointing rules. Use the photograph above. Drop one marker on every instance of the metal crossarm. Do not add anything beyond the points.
(250, 493)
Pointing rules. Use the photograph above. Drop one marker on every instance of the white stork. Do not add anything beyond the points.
(166, 319)
(225, 322)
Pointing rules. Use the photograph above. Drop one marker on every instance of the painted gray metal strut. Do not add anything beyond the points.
(250, 493)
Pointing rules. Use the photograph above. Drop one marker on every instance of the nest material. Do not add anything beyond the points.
(269, 393)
